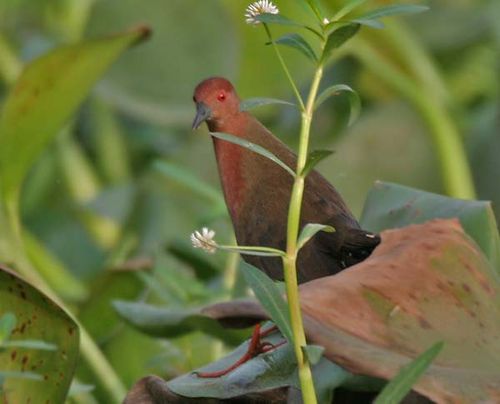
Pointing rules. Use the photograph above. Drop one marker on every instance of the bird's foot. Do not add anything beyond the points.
(255, 347)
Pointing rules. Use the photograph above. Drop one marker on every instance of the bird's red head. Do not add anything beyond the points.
(215, 100)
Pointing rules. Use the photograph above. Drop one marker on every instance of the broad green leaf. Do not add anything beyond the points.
(313, 353)
(167, 322)
(38, 319)
(269, 297)
(45, 96)
(313, 158)
(309, 231)
(190, 180)
(424, 283)
(7, 324)
(254, 148)
(348, 7)
(391, 205)
(336, 89)
(401, 385)
(268, 371)
(252, 103)
(338, 37)
(298, 42)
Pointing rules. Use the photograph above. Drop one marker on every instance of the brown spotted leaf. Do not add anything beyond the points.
(423, 284)
(38, 318)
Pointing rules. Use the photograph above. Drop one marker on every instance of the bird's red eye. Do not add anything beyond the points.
(221, 96)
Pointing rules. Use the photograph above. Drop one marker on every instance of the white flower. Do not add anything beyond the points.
(204, 240)
(257, 8)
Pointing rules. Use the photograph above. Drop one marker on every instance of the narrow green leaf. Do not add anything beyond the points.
(43, 99)
(310, 230)
(371, 18)
(277, 19)
(313, 158)
(296, 41)
(351, 5)
(29, 344)
(188, 179)
(398, 387)
(270, 297)
(339, 37)
(254, 148)
(316, 8)
(354, 99)
(313, 353)
(252, 103)
(7, 324)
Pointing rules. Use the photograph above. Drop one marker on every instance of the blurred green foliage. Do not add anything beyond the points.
(102, 205)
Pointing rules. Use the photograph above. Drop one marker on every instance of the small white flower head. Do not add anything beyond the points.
(204, 240)
(258, 8)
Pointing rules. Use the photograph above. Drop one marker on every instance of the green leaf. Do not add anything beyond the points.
(313, 353)
(339, 37)
(348, 7)
(400, 386)
(252, 103)
(398, 9)
(270, 297)
(354, 100)
(7, 324)
(38, 319)
(166, 322)
(309, 231)
(254, 148)
(313, 158)
(316, 8)
(189, 180)
(277, 19)
(265, 372)
(391, 205)
(298, 42)
(44, 97)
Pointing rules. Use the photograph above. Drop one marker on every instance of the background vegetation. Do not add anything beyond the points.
(126, 182)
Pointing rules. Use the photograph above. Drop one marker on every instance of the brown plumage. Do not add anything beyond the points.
(257, 192)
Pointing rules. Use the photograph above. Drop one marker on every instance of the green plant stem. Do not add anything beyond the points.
(455, 170)
(285, 69)
(290, 261)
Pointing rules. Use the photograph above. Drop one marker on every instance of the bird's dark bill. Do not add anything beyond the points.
(202, 114)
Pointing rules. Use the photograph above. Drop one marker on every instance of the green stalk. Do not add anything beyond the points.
(285, 69)
(293, 227)
(455, 170)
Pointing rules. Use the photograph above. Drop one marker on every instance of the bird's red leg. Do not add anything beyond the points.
(255, 347)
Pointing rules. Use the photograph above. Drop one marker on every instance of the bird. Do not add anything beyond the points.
(257, 192)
